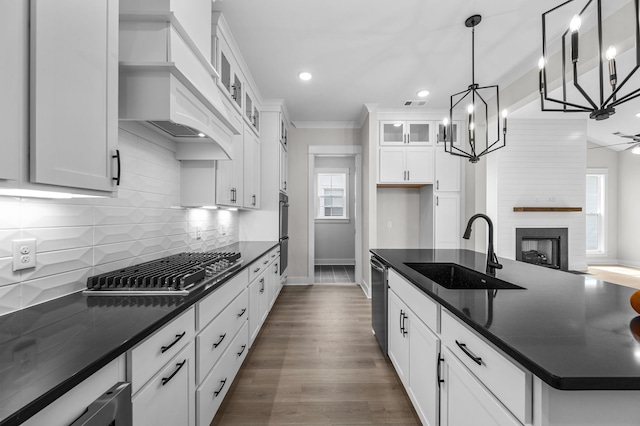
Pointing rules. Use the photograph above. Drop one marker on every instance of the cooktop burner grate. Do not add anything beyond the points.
(176, 274)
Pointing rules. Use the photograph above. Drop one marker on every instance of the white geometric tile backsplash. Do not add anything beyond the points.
(83, 237)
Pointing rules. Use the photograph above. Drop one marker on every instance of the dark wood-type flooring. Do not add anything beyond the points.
(316, 362)
(335, 274)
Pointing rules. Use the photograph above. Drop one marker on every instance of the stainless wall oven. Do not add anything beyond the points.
(284, 232)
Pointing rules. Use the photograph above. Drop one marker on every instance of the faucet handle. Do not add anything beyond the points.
(495, 263)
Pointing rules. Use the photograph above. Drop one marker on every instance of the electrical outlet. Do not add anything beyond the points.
(24, 254)
(198, 233)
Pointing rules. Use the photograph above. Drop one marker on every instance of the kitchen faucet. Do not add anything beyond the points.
(492, 259)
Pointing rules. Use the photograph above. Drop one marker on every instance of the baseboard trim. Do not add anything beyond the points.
(347, 262)
(365, 288)
(298, 281)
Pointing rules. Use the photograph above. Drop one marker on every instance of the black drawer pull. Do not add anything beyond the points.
(216, 393)
(242, 312)
(242, 350)
(163, 349)
(470, 354)
(265, 262)
(166, 380)
(257, 269)
(215, 345)
(117, 157)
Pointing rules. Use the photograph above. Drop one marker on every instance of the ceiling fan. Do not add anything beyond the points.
(634, 143)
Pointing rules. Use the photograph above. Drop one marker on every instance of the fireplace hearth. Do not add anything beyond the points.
(547, 247)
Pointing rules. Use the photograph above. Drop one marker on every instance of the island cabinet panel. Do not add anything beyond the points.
(511, 384)
(427, 309)
(168, 398)
(465, 401)
(413, 349)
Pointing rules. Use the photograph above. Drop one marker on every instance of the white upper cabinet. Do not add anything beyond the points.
(406, 132)
(448, 168)
(231, 81)
(251, 171)
(406, 165)
(74, 93)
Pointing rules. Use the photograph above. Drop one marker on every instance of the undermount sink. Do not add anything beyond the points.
(456, 277)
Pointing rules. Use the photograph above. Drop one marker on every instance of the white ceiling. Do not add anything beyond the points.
(383, 52)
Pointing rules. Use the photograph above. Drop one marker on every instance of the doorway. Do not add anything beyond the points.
(335, 246)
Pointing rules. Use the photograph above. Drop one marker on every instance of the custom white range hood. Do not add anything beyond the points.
(167, 83)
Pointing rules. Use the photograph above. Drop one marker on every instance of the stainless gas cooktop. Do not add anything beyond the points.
(179, 274)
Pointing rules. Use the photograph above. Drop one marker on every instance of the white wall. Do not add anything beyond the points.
(398, 221)
(543, 165)
(79, 238)
(628, 208)
(335, 241)
(299, 142)
(604, 158)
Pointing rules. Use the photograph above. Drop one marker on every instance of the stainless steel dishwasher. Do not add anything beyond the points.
(379, 295)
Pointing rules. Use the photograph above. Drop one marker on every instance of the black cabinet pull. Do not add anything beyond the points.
(242, 350)
(253, 202)
(440, 379)
(262, 285)
(265, 262)
(222, 336)
(275, 271)
(470, 354)
(242, 312)
(404, 327)
(163, 349)
(401, 325)
(216, 393)
(257, 269)
(117, 157)
(179, 365)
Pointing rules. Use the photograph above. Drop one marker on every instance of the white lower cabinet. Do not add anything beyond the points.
(446, 224)
(465, 401)
(258, 304)
(168, 398)
(215, 386)
(414, 349)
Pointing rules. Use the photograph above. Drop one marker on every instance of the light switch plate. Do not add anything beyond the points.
(24, 254)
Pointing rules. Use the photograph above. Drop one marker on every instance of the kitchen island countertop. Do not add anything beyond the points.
(68, 339)
(573, 331)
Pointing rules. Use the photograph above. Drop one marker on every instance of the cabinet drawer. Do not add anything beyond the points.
(214, 303)
(216, 337)
(510, 384)
(273, 254)
(210, 394)
(149, 356)
(258, 266)
(167, 398)
(426, 308)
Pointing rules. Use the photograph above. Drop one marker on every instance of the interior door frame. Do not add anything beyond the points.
(335, 151)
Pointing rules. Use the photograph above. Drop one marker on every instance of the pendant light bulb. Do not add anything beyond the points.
(541, 62)
(611, 53)
(504, 113)
(470, 109)
(575, 24)
(636, 150)
(445, 121)
(471, 126)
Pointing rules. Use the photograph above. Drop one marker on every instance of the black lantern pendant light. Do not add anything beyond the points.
(474, 99)
(599, 107)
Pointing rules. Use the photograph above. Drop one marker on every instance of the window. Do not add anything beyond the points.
(595, 211)
(332, 201)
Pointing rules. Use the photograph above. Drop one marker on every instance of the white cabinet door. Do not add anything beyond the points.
(424, 349)
(251, 169)
(465, 401)
(258, 304)
(419, 165)
(392, 133)
(229, 176)
(169, 397)
(398, 341)
(447, 171)
(446, 224)
(392, 168)
(284, 168)
(74, 93)
(420, 132)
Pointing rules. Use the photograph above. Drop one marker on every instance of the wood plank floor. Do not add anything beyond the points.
(316, 362)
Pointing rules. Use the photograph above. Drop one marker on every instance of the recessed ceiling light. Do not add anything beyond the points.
(202, 135)
(423, 93)
(638, 114)
(305, 76)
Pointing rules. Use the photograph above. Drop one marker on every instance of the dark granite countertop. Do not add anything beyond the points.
(572, 331)
(47, 349)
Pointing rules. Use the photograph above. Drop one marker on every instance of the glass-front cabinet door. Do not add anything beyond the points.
(406, 132)
(392, 133)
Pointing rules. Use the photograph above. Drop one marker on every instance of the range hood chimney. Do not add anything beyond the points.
(168, 84)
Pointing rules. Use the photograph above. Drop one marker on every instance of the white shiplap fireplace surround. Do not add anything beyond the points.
(543, 165)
